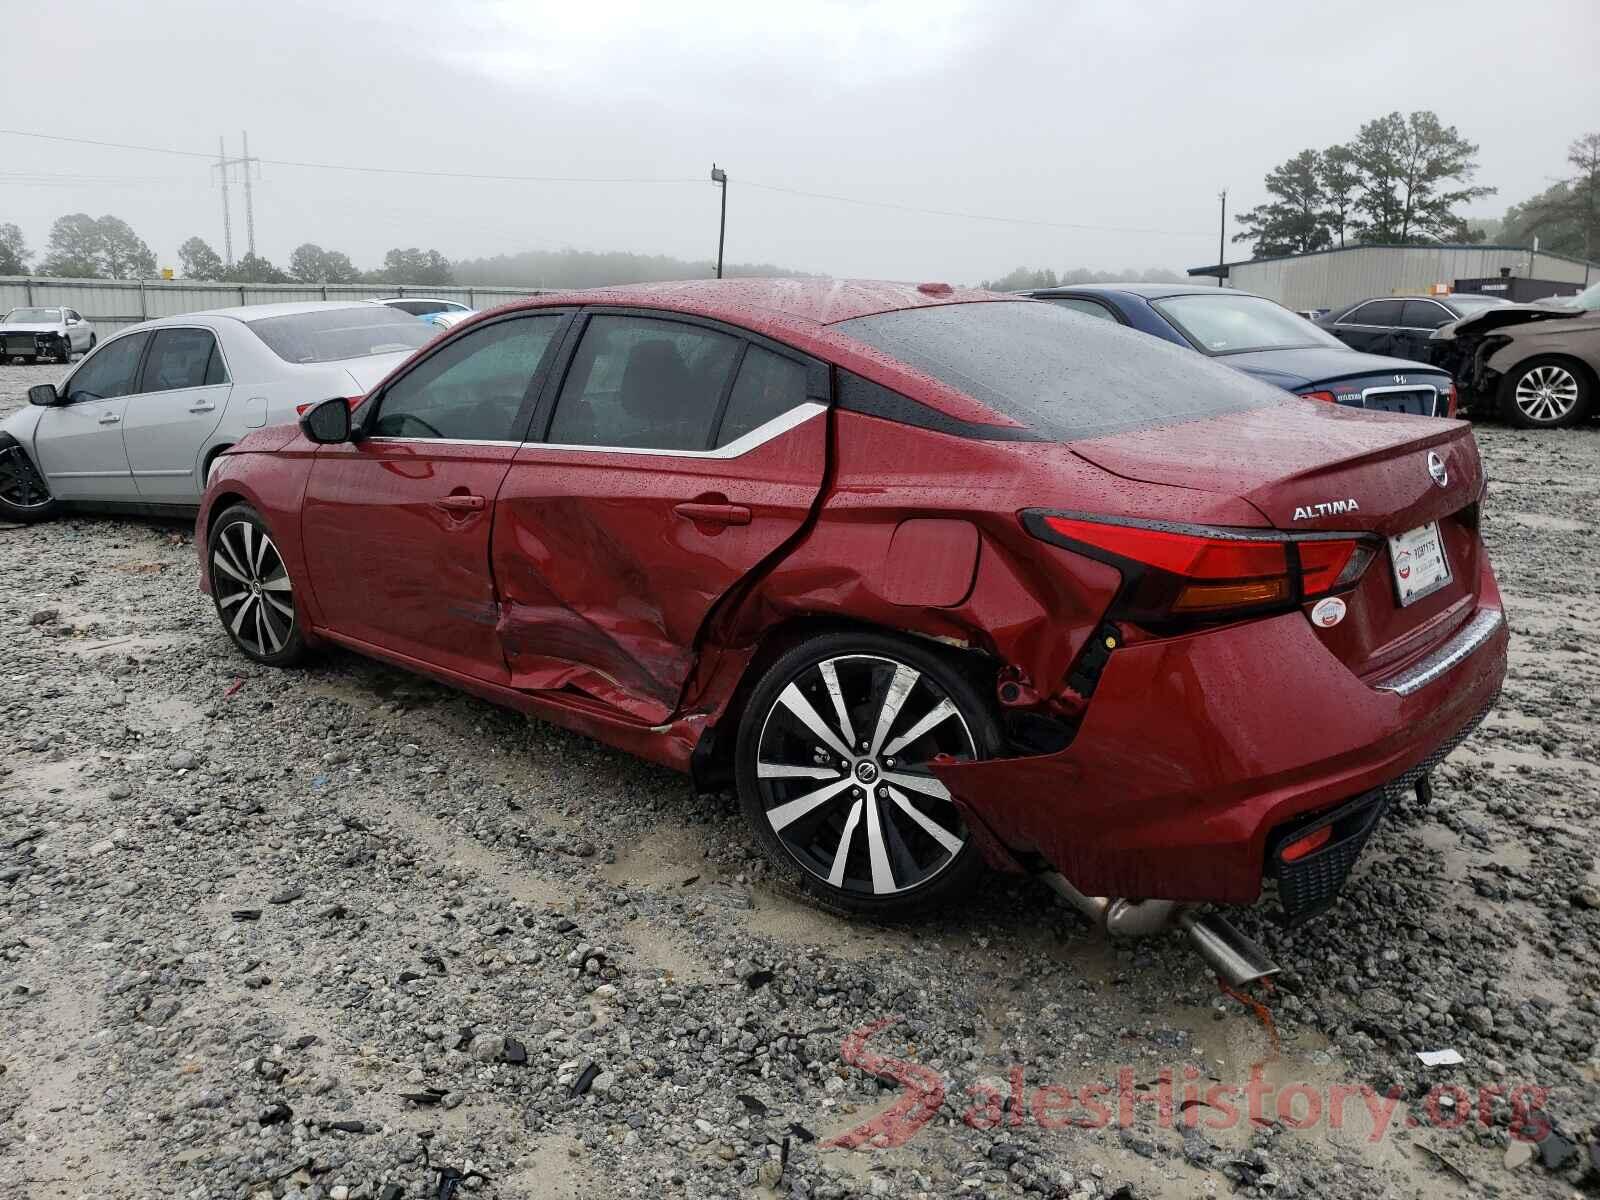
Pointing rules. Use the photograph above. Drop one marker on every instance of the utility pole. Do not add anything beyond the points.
(249, 208)
(245, 163)
(227, 217)
(1222, 235)
(720, 176)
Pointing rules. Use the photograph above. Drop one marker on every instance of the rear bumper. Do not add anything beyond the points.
(1197, 751)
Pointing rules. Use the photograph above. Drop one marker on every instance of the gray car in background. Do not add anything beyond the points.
(52, 332)
(137, 423)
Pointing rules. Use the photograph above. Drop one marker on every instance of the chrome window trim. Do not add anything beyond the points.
(442, 441)
(1473, 636)
(761, 434)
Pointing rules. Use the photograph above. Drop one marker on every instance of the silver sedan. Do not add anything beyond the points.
(35, 333)
(138, 422)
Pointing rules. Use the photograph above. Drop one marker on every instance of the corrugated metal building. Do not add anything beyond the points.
(1333, 278)
(111, 304)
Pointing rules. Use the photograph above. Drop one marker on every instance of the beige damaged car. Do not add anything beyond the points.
(1536, 365)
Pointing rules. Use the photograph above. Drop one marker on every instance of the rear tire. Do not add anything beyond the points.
(93, 340)
(251, 589)
(1549, 392)
(831, 769)
(24, 495)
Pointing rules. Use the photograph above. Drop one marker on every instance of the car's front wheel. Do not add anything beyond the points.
(24, 495)
(833, 753)
(252, 590)
(1545, 393)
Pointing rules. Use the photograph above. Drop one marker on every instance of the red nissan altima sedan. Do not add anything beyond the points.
(930, 576)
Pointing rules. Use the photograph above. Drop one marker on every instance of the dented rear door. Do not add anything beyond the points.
(608, 557)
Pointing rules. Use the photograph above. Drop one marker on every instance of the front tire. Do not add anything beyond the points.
(24, 495)
(251, 588)
(832, 772)
(1546, 393)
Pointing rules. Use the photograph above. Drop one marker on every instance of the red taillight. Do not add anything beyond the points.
(1325, 397)
(1176, 571)
(1455, 398)
(1300, 847)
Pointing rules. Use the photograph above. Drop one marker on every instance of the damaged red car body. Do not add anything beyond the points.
(929, 575)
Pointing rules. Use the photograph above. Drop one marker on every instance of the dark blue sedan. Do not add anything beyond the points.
(1264, 339)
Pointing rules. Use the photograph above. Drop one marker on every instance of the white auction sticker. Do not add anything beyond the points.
(1328, 612)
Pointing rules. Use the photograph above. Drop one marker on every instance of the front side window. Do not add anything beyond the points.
(1239, 324)
(110, 372)
(182, 358)
(642, 383)
(474, 389)
(1060, 376)
(768, 386)
(331, 334)
(1089, 308)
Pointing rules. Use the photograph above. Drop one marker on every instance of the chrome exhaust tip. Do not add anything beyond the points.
(1229, 953)
(1233, 956)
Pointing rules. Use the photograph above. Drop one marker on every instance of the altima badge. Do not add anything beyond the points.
(1436, 469)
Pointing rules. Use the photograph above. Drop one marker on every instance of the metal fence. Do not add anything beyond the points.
(112, 303)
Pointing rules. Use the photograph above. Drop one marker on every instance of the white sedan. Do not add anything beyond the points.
(35, 333)
(137, 423)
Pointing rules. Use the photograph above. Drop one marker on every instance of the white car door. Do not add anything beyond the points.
(78, 330)
(78, 441)
(180, 400)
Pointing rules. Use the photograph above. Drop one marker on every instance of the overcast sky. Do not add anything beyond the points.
(1122, 116)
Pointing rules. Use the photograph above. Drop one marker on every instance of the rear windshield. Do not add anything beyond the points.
(332, 334)
(1060, 373)
(1468, 304)
(1224, 324)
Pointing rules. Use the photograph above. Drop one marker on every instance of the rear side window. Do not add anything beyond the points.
(1062, 377)
(111, 372)
(473, 389)
(182, 358)
(1375, 312)
(641, 383)
(768, 386)
(332, 334)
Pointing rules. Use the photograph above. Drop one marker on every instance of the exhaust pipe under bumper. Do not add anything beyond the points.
(1233, 956)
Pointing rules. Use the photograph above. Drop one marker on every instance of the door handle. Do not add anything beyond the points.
(109, 418)
(203, 406)
(460, 503)
(713, 514)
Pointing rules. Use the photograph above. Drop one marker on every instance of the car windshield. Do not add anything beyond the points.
(33, 316)
(1058, 372)
(1467, 305)
(1224, 324)
(331, 334)
(1589, 298)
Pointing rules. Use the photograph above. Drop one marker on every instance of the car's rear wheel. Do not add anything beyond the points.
(251, 588)
(1545, 393)
(24, 495)
(833, 753)
(93, 339)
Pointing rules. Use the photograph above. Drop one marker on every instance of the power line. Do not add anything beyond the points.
(365, 170)
(969, 216)
(766, 187)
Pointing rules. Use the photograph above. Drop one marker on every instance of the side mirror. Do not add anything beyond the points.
(44, 395)
(327, 423)
(74, 321)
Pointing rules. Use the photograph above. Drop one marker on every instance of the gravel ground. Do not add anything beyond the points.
(338, 931)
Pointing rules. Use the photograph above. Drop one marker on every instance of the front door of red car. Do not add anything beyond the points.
(678, 457)
(396, 524)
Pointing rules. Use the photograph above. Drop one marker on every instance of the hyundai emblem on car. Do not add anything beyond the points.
(1436, 469)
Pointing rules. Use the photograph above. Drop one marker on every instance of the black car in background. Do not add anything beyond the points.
(1400, 326)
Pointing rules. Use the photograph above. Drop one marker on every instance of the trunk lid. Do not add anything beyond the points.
(1310, 467)
(370, 371)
